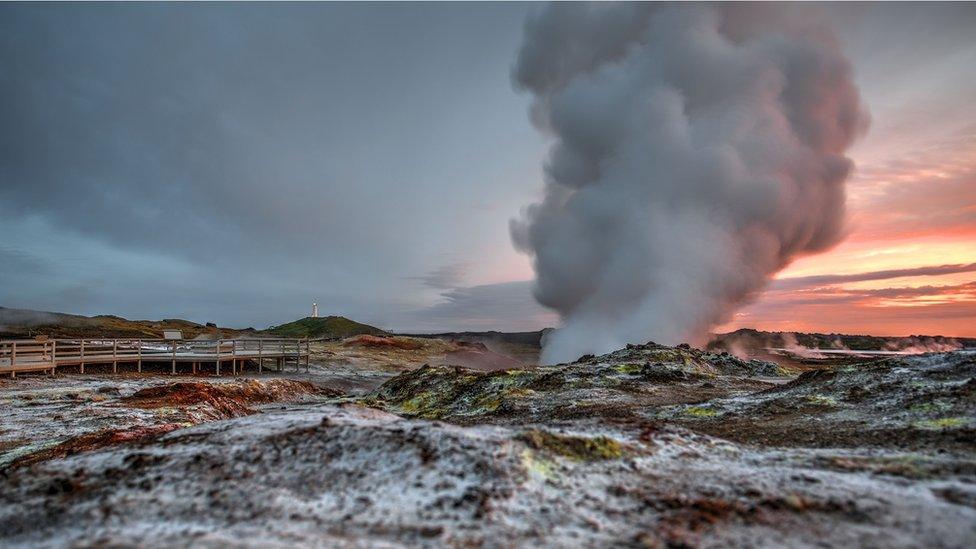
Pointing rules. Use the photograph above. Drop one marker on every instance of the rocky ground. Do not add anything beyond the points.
(397, 354)
(649, 446)
(53, 417)
(615, 386)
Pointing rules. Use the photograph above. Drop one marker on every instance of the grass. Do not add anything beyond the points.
(941, 423)
(538, 466)
(821, 400)
(327, 327)
(629, 369)
(932, 407)
(574, 447)
(698, 411)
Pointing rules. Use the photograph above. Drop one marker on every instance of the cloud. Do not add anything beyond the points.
(922, 193)
(506, 306)
(966, 290)
(444, 277)
(795, 283)
(897, 310)
(15, 261)
(289, 153)
(907, 296)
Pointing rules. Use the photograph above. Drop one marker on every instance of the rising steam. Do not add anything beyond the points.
(697, 151)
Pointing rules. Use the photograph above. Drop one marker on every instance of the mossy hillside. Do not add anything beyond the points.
(905, 391)
(651, 360)
(444, 392)
(462, 395)
(629, 382)
(910, 402)
(324, 327)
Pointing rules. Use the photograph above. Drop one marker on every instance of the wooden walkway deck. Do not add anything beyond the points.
(29, 355)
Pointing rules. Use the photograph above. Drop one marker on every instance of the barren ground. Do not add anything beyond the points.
(649, 446)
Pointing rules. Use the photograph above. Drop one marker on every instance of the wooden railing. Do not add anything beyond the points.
(30, 354)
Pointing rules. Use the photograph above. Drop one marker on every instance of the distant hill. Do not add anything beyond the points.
(25, 323)
(750, 339)
(328, 327)
(519, 338)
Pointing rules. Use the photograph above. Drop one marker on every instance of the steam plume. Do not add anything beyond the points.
(697, 151)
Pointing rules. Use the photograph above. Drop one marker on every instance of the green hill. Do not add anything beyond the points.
(25, 323)
(324, 327)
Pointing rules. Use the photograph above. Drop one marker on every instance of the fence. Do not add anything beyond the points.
(48, 354)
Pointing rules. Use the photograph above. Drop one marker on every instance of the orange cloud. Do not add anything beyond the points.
(835, 303)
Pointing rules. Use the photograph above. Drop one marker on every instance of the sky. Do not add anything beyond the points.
(235, 163)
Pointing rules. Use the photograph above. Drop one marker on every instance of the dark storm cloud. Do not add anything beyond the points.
(277, 154)
(17, 262)
(507, 306)
(444, 277)
(175, 128)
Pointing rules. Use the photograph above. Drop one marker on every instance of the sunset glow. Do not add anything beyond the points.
(888, 233)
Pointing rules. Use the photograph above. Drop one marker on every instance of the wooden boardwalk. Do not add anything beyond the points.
(47, 355)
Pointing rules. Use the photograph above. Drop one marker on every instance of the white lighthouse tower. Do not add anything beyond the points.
(315, 310)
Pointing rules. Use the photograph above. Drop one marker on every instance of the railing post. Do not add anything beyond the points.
(173, 365)
(139, 364)
(218, 356)
(82, 363)
(260, 358)
(54, 355)
(115, 356)
(13, 354)
(308, 353)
